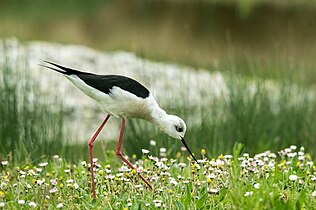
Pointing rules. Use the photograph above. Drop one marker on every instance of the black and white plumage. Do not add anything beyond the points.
(123, 97)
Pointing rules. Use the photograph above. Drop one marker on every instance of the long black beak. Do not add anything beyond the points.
(186, 146)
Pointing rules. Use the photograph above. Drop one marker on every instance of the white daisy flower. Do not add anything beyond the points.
(43, 164)
(4, 163)
(60, 205)
(32, 204)
(145, 151)
(21, 202)
(293, 177)
(152, 142)
(247, 194)
(257, 185)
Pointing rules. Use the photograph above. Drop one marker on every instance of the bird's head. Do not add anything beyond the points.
(176, 128)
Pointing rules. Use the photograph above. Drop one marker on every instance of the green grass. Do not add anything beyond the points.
(260, 114)
(31, 124)
(281, 180)
(32, 132)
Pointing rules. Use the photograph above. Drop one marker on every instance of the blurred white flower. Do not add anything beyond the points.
(293, 147)
(120, 174)
(157, 205)
(213, 191)
(32, 204)
(67, 170)
(4, 163)
(53, 190)
(43, 164)
(173, 181)
(228, 156)
(183, 149)
(257, 185)
(211, 176)
(293, 177)
(56, 156)
(145, 151)
(287, 150)
(292, 154)
(186, 181)
(39, 169)
(162, 149)
(40, 182)
(60, 205)
(152, 142)
(153, 158)
(247, 194)
(138, 186)
(21, 202)
(180, 177)
(201, 160)
(53, 182)
(182, 165)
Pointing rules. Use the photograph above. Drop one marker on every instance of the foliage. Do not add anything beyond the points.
(30, 126)
(283, 180)
(260, 114)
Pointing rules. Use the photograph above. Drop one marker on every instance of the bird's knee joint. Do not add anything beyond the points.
(118, 153)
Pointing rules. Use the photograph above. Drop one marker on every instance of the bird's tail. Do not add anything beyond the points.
(61, 69)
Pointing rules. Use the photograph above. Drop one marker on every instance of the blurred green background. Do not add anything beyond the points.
(198, 33)
(247, 40)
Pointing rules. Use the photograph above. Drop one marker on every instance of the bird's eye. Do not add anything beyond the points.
(179, 129)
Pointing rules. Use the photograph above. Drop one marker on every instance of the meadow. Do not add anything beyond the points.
(268, 180)
(255, 145)
(273, 120)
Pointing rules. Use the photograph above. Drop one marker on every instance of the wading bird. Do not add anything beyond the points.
(122, 97)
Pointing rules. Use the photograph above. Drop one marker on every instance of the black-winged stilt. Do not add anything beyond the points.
(122, 97)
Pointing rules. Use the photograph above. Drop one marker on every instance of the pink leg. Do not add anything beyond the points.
(119, 153)
(90, 151)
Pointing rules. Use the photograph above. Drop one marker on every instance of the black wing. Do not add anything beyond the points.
(105, 83)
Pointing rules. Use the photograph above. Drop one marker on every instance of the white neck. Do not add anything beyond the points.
(159, 117)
